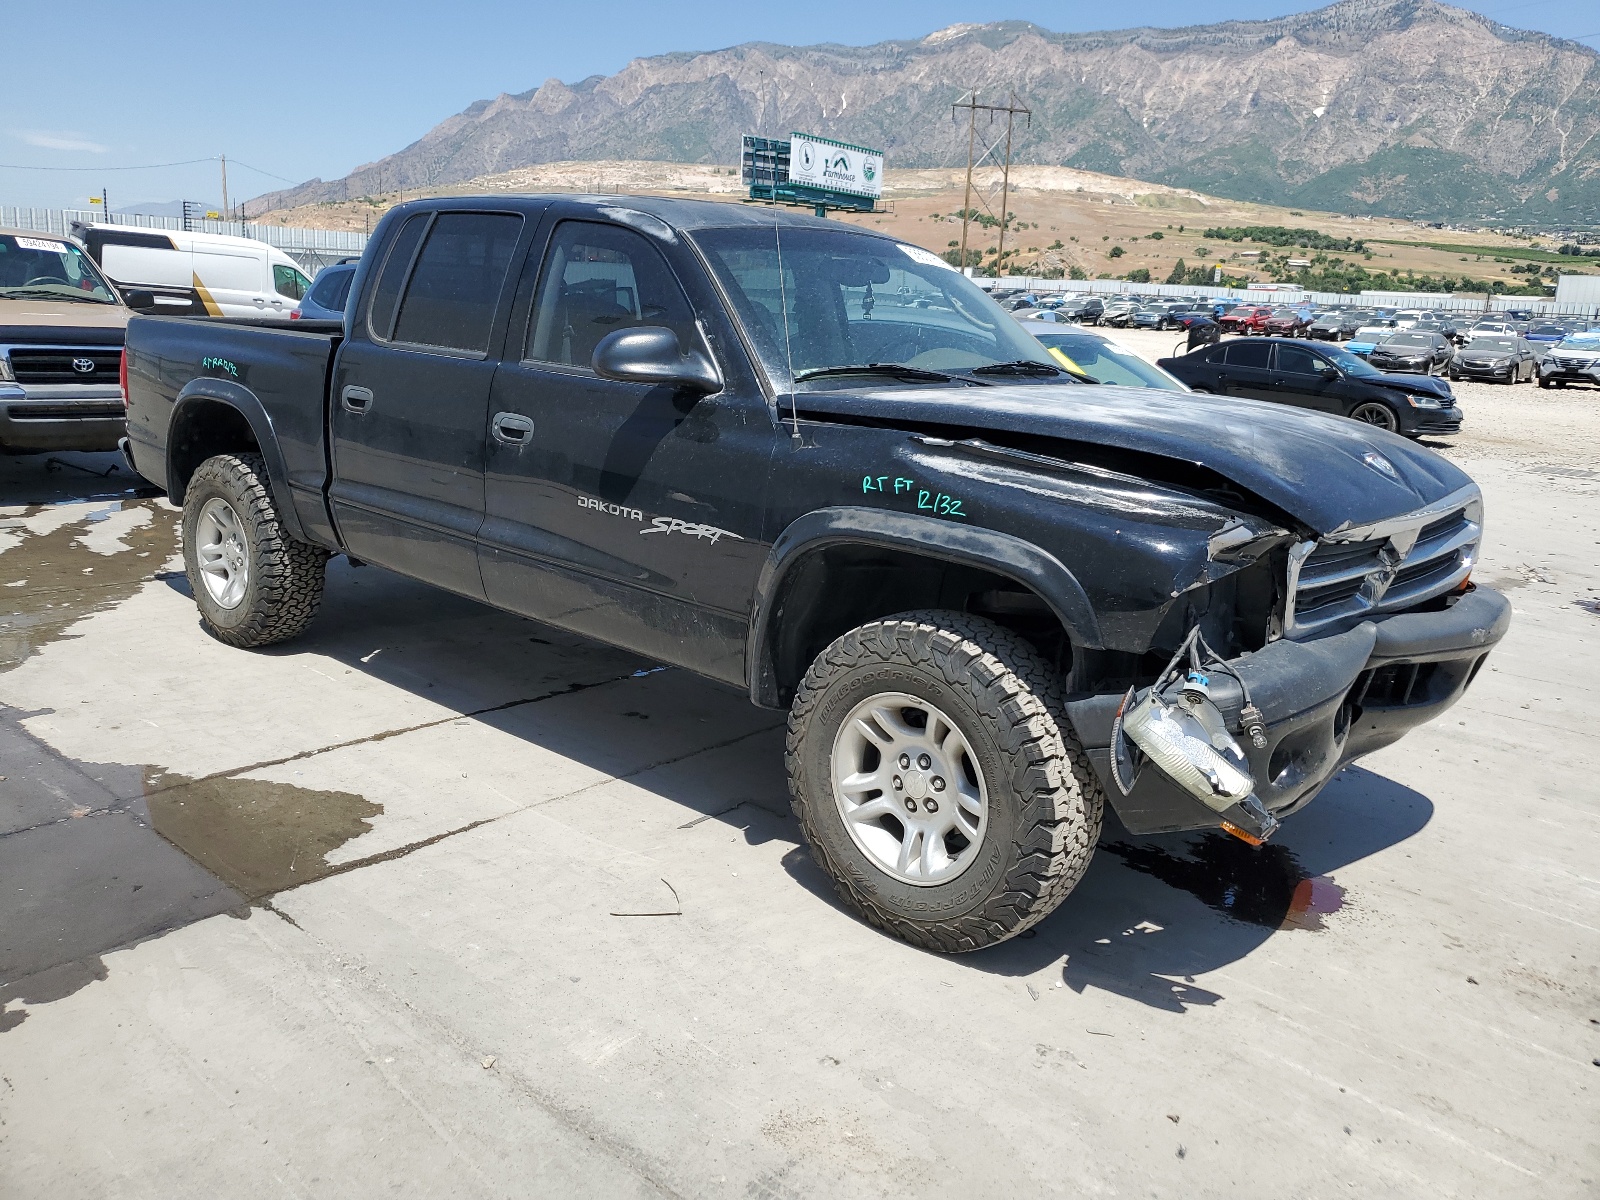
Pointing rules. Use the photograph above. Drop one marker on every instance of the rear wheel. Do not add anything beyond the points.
(934, 782)
(253, 584)
(1377, 414)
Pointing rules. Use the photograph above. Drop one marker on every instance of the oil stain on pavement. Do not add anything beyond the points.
(1255, 885)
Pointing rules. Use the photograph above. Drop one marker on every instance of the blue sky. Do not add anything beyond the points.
(295, 89)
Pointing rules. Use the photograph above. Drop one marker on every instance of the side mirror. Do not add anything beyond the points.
(1329, 373)
(139, 300)
(651, 354)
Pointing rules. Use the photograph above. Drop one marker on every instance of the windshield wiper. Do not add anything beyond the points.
(27, 293)
(896, 370)
(1022, 366)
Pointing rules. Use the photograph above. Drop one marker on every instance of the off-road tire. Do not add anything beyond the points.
(285, 576)
(1044, 798)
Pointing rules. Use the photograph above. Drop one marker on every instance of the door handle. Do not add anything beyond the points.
(356, 399)
(512, 429)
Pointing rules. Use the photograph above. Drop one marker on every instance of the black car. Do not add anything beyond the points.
(1324, 378)
(1503, 359)
(1416, 351)
(1334, 326)
(1085, 310)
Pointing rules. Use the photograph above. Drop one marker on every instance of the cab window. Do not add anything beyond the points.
(596, 280)
(450, 300)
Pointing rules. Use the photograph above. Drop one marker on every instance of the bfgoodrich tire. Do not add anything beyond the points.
(253, 583)
(934, 783)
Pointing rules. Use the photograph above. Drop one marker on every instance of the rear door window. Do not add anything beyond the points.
(1249, 354)
(332, 288)
(380, 314)
(451, 296)
(596, 280)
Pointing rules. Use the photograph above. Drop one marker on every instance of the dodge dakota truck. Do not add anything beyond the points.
(61, 327)
(710, 434)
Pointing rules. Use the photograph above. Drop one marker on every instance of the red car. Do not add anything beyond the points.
(1245, 319)
(1287, 322)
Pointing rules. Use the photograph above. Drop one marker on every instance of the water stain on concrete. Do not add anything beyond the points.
(55, 571)
(1255, 885)
(256, 836)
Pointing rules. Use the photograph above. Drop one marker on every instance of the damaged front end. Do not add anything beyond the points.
(1330, 648)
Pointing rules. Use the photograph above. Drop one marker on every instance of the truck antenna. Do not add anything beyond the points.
(788, 349)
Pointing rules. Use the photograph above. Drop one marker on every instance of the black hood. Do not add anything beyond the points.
(1483, 353)
(1434, 385)
(1326, 472)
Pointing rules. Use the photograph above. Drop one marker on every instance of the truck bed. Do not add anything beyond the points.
(274, 372)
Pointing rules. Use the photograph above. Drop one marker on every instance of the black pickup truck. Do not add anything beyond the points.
(718, 436)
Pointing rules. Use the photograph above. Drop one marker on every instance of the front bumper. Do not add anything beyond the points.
(1432, 420)
(60, 417)
(1326, 702)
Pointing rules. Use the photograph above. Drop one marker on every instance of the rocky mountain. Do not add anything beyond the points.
(1400, 107)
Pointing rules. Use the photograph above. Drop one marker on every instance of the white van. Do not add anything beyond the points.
(199, 274)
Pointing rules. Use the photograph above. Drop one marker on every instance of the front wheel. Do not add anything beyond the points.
(1376, 414)
(935, 783)
(253, 584)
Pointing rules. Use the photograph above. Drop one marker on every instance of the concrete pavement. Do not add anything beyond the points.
(360, 916)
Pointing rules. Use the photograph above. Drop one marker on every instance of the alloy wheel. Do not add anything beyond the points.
(1374, 413)
(909, 789)
(223, 553)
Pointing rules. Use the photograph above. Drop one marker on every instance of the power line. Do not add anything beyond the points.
(188, 162)
(239, 162)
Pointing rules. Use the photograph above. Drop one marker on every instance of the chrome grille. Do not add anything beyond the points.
(1386, 567)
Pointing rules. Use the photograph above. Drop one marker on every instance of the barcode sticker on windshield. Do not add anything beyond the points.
(926, 257)
(25, 243)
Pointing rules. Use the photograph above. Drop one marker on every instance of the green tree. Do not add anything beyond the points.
(1179, 273)
(1115, 252)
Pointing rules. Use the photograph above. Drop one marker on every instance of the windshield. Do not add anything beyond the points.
(1350, 364)
(1581, 341)
(46, 268)
(841, 291)
(1505, 344)
(1372, 333)
(1408, 339)
(1099, 359)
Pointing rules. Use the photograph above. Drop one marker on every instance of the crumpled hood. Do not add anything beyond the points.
(1432, 384)
(1325, 471)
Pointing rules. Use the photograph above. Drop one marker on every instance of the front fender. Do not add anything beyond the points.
(209, 390)
(1002, 553)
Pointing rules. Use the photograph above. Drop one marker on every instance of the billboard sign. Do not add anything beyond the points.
(835, 166)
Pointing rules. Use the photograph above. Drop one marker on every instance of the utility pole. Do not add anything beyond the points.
(1012, 108)
(224, 184)
(972, 141)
